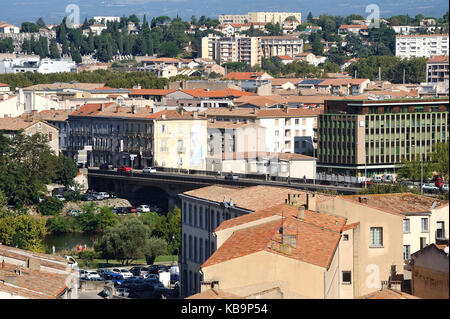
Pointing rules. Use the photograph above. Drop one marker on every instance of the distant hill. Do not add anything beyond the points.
(53, 11)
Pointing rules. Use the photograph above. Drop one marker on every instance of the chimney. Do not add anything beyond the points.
(3, 263)
(195, 113)
(117, 109)
(311, 203)
(133, 109)
(362, 199)
(102, 106)
(33, 263)
(301, 212)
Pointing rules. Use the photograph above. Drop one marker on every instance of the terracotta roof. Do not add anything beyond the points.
(347, 26)
(281, 81)
(318, 235)
(172, 60)
(32, 284)
(350, 226)
(16, 123)
(54, 115)
(4, 85)
(250, 198)
(227, 112)
(284, 57)
(397, 203)
(227, 124)
(438, 59)
(90, 109)
(388, 293)
(214, 294)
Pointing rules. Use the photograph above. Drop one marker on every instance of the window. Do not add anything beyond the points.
(346, 277)
(424, 227)
(376, 237)
(406, 224)
(440, 233)
(406, 252)
(345, 237)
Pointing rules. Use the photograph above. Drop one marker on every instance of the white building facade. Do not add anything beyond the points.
(411, 46)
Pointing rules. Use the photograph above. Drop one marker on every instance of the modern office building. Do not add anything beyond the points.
(365, 137)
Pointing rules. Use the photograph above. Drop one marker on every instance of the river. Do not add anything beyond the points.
(68, 241)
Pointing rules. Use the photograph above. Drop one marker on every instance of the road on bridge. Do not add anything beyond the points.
(205, 180)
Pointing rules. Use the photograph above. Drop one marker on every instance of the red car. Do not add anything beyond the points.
(125, 169)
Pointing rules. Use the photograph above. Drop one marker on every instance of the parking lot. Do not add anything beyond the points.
(139, 282)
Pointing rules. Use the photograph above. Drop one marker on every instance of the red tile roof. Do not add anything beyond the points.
(438, 59)
(317, 236)
(90, 109)
(388, 293)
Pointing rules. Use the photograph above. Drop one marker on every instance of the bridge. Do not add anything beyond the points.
(164, 186)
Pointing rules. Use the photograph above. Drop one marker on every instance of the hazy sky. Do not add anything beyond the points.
(53, 11)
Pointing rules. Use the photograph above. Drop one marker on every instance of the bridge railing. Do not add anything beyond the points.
(197, 173)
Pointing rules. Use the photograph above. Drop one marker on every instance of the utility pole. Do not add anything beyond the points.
(403, 75)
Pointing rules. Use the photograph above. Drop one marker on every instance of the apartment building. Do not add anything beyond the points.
(231, 49)
(180, 139)
(366, 137)
(272, 17)
(272, 46)
(226, 137)
(410, 46)
(437, 69)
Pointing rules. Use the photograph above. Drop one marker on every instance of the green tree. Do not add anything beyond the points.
(58, 225)
(29, 27)
(41, 23)
(24, 231)
(440, 159)
(54, 51)
(50, 206)
(155, 247)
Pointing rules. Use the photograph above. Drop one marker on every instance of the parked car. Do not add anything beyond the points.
(97, 196)
(120, 210)
(131, 210)
(60, 197)
(87, 197)
(388, 178)
(113, 277)
(143, 209)
(377, 179)
(124, 169)
(104, 194)
(149, 170)
(74, 212)
(139, 271)
(232, 176)
(445, 187)
(112, 195)
(124, 272)
(155, 283)
(156, 269)
(155, 208)
(429, 188)
(91, 275)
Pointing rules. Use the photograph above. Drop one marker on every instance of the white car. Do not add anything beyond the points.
(104, 194)
(91, 275)
(124, 272)
(149, 170)
(143, 209)
(429, 187)
(60, 197)
(445, 187)
(377, 179)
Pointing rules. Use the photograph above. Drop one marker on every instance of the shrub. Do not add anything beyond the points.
(50, 206)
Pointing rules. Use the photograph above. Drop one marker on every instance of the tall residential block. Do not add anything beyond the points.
(423, 45)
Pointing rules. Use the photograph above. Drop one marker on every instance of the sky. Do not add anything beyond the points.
(53, 11)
